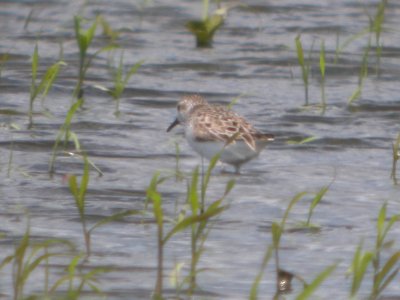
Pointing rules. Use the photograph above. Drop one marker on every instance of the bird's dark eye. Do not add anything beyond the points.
(181, 107)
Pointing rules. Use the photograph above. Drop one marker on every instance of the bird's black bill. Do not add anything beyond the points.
(174, 123)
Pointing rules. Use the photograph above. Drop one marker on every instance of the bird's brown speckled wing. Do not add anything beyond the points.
(219, 123)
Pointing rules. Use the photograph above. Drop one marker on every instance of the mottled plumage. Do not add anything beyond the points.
(212, 128)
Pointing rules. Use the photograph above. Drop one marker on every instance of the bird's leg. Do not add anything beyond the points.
(237, 169)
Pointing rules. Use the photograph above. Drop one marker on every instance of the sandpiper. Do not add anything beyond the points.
(212, 129)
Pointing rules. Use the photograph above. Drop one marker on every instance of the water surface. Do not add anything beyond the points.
(253, 56)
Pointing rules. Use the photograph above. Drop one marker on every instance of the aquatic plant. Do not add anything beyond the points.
(26, 259)
(79, 193)
(43, 87)
(84, 39)
(198, 230)
(28, 19)
(197, 221)
(277, 230)
(65, 134)
(77, 281)
(322, 71)
(360, 263)
(395, 158)
(205, 28)
(361, 77)
(305, 66)
(179, 175)
(309, 289)
(120, 79)
(302, 141)
(376, 26)
(284, 278)
(316, 200)
(108, 31)
(254, 287)
(383, 274)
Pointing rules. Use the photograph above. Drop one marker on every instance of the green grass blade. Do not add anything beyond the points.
(133, 70)
(307, 292)
(6, 261)
(318, 197)
(229, 186)
(388, 267)
(193, 192)
(155, 197)
(380, 223)
(322, 60)
(392, 221)
(356, 95)
(388, 280)
(73, 186)
(294, 200)
(48, 79)
(360, 263)
(84, 181)
(115, 217)
(32, 266)
(188, 221)
(35, 62)
(300, 52)
(256, 283)
(276, 231)
(303, 141)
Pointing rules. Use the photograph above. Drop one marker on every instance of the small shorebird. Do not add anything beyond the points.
(212, 129)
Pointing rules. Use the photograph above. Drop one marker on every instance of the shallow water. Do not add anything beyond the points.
(253, 56)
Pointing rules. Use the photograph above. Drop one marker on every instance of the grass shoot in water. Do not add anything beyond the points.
(197, 221)
(26, 259)
(65, 134)
(322, 71)
(84, 39)
(385, 273)
(316, 200)
(205, 28)
(305, 66)
(358, 269)
(43, 87)
(254, 288)
(361, 77)
(120, 80)
(395, 158)
(310, 288)
(363, 260)
(107, 29)
(277, 230)
(376, 26)
(198, 230)
(77, 281)
(79, 193)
